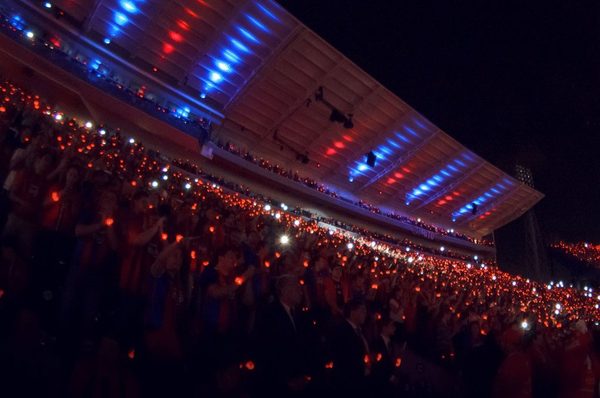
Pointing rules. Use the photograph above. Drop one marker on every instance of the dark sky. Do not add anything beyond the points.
(511, 80)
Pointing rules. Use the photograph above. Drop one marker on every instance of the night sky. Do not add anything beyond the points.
(511, 80)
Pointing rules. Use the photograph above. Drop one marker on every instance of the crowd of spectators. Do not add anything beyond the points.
(584, 252)
(124, 275)
(311, 183)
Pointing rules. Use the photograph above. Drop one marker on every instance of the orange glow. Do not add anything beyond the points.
(305, 263)
(330, 152)
(211, 229)
(55, 196)
(205, 263)
(378, 357)
(193, 254)
(2, 109)
(366, 359)
(267, 264)
(417, 289)
(164, 236)
(131, 354)
(398, 362)
(398, 175)
(301, 281)
(329, 365)
(339, 145)
(238, 280)
(178, 238)
(133, 183)
(391, 180)
(176, 37)
(249, 365)
(374, 286)
(109, 222)
(348, 138)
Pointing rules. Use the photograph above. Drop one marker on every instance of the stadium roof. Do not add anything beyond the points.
(257, 69)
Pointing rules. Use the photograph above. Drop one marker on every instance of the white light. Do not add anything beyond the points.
(525, 325)
(284, 239)
(102, 132)
(476, 258)
(284, 206)
(407, 248)
(132, 141)
(558, 306)
(216, 77)
(376, 258)
(58, 117)
(331, 232)
(350, 245)
(224, 66)
(586, 245)
(106, 41)
(278, 215)
(410, 260)
(202, 95)
(585, 288)
(493, 277)
(165, 169)
(296, 223)
(267, 207)
(188, 185)
(373, 244)
(556, 312)
(442, 248)
(418, 220)
(165, 177)
(469, 265)
(88, 125)
(514, 283)
(48, 5)
(154, 184)
(29, 34)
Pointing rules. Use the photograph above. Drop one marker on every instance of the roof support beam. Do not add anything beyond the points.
(490, 205)
(399, 161)
(450, 187)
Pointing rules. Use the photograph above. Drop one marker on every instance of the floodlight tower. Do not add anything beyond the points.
(535, 250)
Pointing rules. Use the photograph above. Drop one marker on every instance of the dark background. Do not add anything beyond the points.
(514, 81)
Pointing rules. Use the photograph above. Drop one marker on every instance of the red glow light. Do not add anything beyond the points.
(176, 37)
(168, 48)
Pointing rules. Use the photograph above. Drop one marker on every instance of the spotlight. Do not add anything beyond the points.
(132, 141)
(296, 223)
(350, 245)
(29, 34)
(371, 159)
(154, 184)
(106, 41)
(267, 207)
(284, 239)
(88, 125)
(102, 132)
(525, 325)
(348, 124)
(48, 5)
(188, 186)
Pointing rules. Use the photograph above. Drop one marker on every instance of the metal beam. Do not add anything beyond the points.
(490, 205)
(450, 187)
(395, 164)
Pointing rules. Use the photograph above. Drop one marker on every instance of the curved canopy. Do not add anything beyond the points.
(287, 95)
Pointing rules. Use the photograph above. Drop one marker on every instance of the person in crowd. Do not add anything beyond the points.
(282, 341)
(350, 350)
(514, 377)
